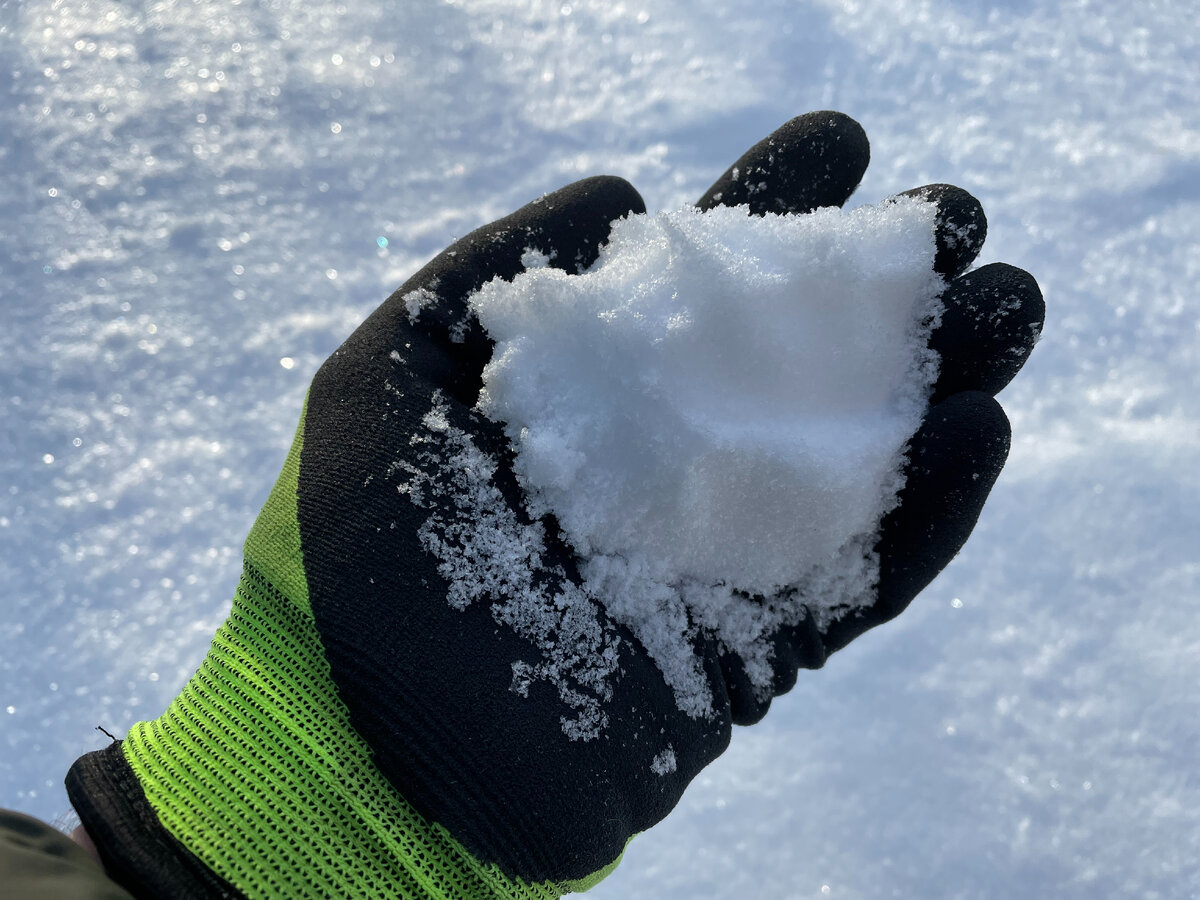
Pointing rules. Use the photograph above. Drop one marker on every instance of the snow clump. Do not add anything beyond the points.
(716, 413)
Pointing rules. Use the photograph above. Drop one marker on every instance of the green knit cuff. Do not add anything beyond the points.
(256, 769)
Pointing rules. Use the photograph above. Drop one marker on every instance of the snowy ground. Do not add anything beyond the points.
(194, 199)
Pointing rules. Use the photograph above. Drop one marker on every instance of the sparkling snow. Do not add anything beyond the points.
(179, 214)
(717, 407)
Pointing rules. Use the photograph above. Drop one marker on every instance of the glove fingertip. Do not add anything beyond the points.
(811, 161)
(572, 223)
(746, 707)
(992, 320)
(606, 197)
(953, 461)
(961, 226)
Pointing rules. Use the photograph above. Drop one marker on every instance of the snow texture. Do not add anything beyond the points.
(719, 408)
(180, 214)
(664, 763)
(487, 554)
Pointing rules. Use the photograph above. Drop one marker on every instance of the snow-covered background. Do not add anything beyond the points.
(199, 200)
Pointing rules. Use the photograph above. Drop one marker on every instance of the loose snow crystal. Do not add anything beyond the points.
(664, 763)
(485, 552)
(716, 414)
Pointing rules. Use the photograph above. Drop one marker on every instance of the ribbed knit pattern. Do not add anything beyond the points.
(256, 769)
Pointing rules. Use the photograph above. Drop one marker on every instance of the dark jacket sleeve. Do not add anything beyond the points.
(38, 862)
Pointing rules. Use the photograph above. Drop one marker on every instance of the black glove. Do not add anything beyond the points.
(438, 703)
(428, 685)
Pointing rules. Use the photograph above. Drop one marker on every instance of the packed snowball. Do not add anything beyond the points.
(720, 398)
(716, 414)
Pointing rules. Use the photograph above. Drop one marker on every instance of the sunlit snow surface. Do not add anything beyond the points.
(192, 202)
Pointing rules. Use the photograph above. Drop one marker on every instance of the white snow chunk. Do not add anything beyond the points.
(719, 406)
(664, 763)
(415, 302)
(722, 397)
(534, 258)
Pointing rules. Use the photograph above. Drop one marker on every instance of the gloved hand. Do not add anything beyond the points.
(360, 728)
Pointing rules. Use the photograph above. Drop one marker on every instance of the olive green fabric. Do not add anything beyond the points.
(38, 862)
